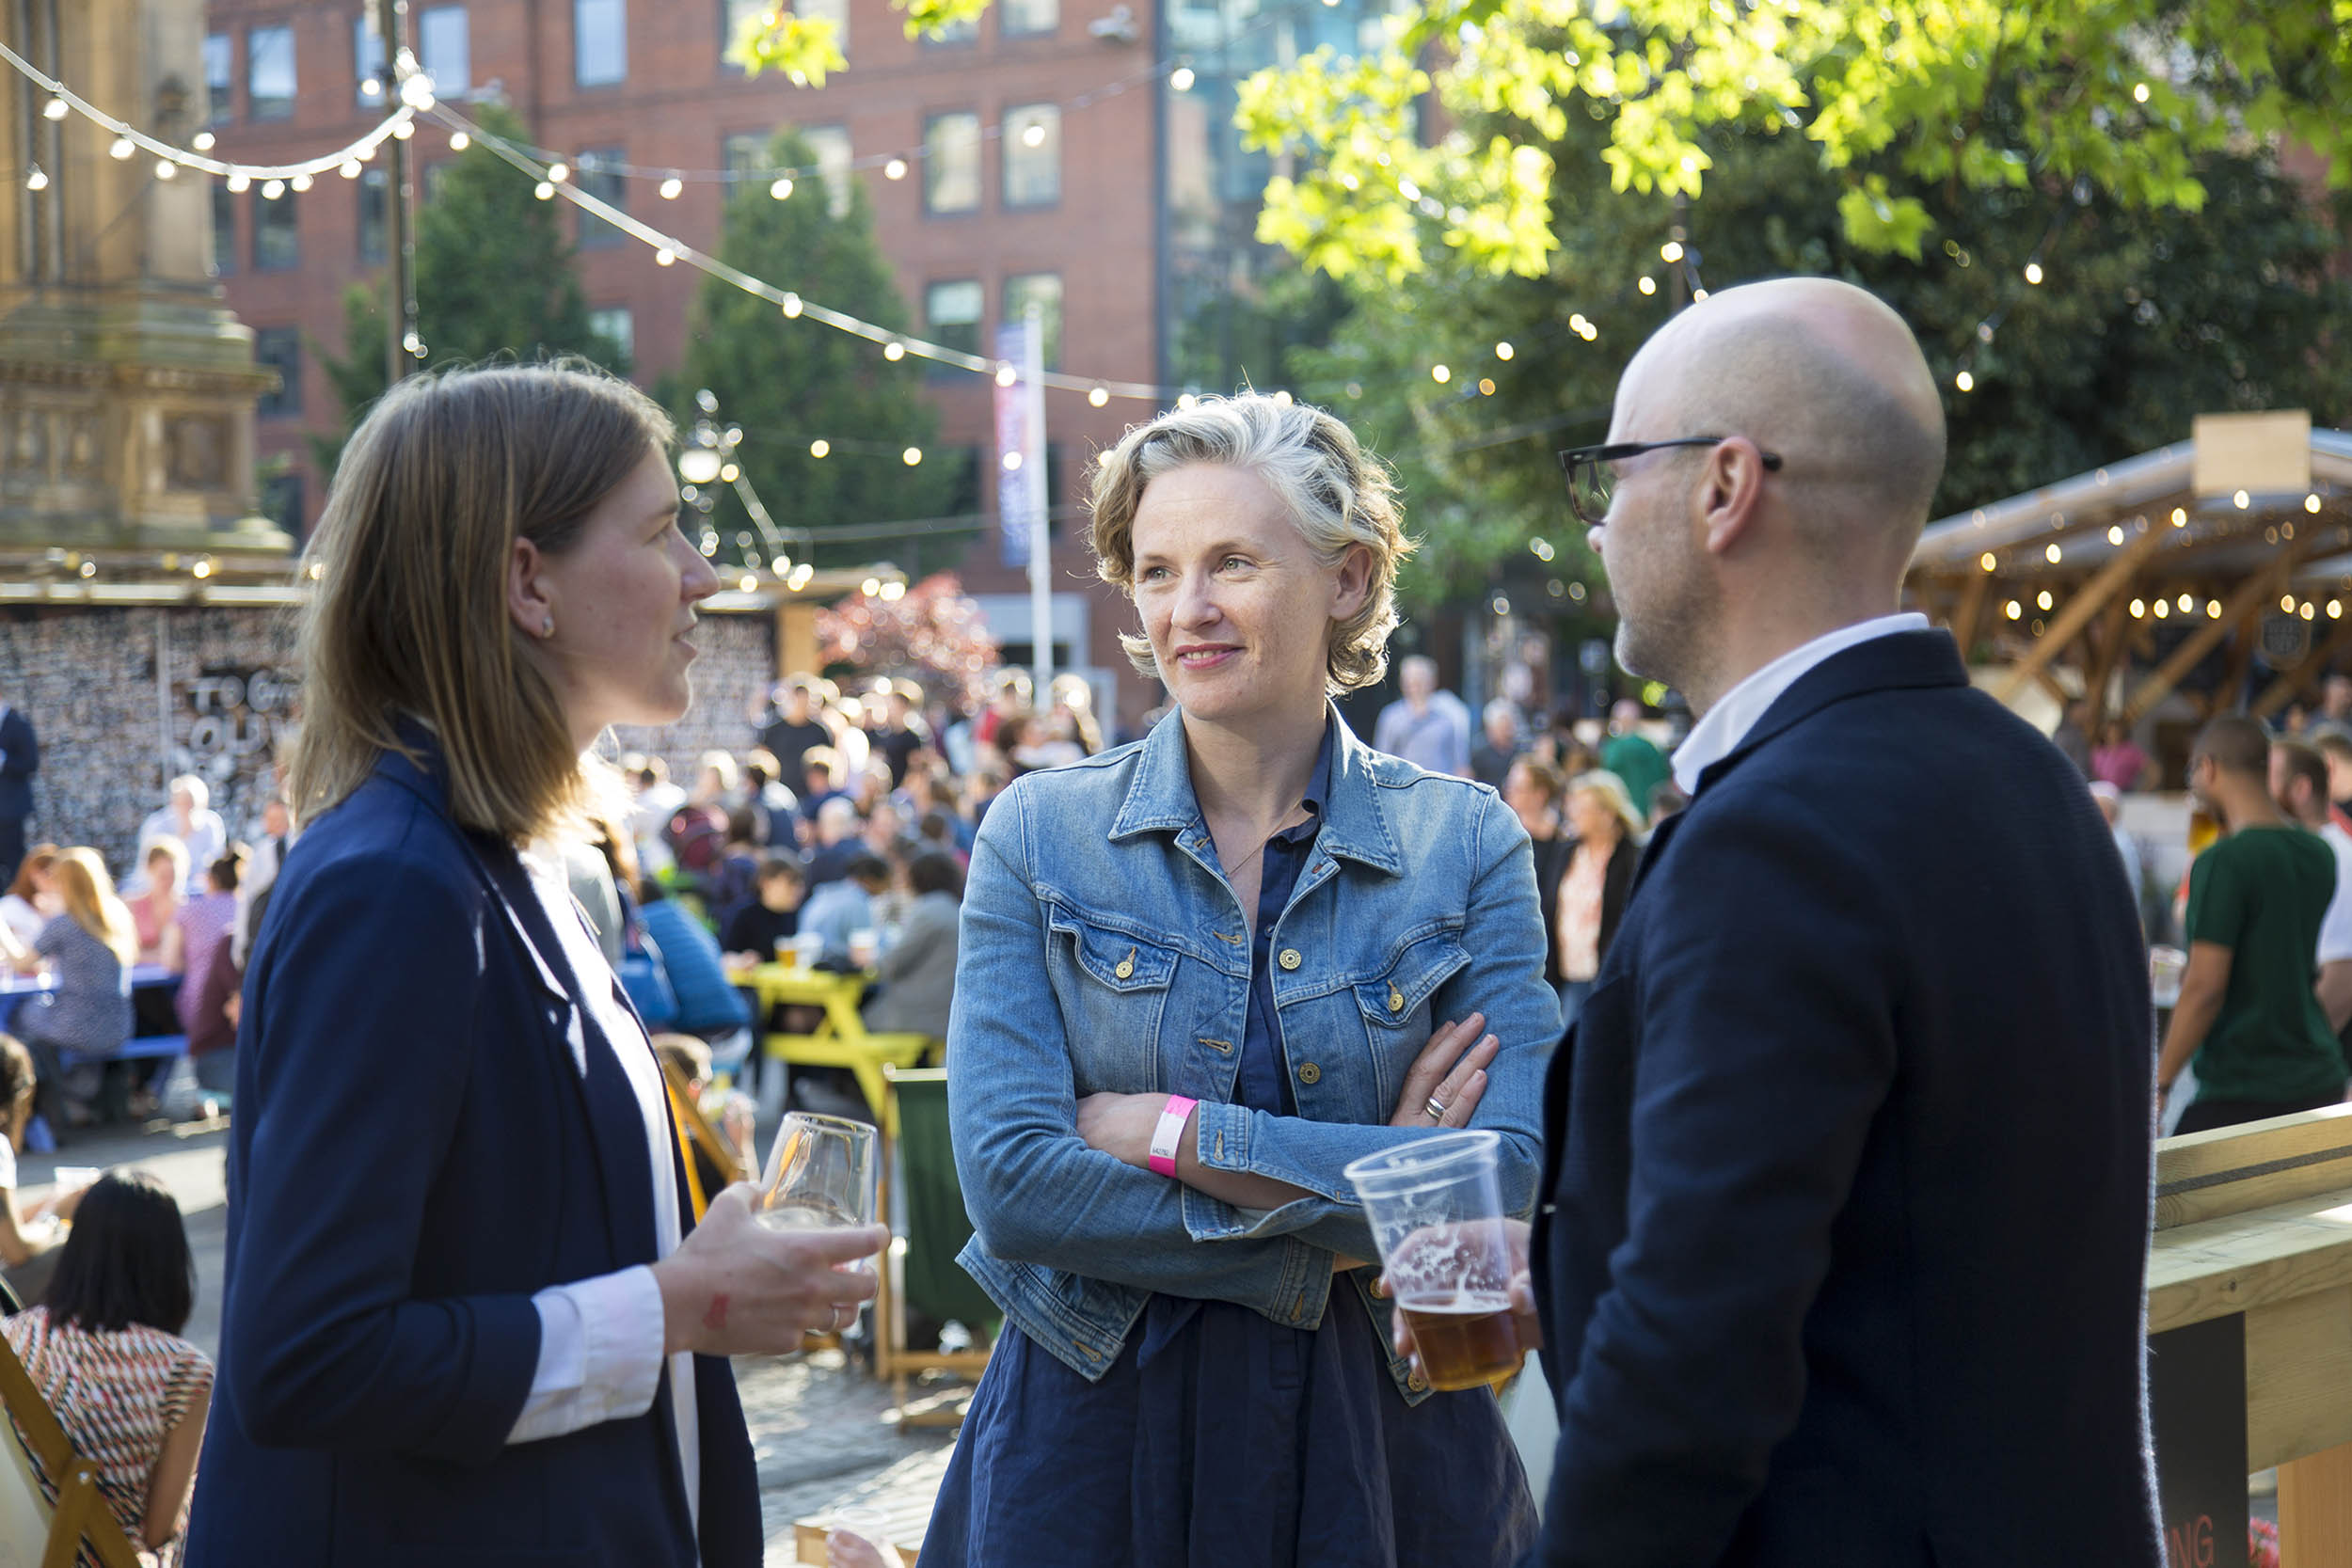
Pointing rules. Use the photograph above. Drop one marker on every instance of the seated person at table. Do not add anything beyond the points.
(916, 974)
(104, 1350)
(29, 1254)
(90, 947)
(773, 916)
(837, 909)
(32, 898)
(202, 950)
(190, 818)
(153, 909)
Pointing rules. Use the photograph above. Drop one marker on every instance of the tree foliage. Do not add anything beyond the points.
(2142, 320)
(1892, 97)
(494, 280)
(789, 384)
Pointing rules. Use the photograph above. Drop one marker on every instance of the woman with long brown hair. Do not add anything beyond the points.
(466, 1314)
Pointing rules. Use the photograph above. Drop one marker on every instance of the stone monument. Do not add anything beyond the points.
(127, 389)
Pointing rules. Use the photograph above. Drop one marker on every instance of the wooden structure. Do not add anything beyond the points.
(79, 1515)
(2127, 577)
(2255, 1222)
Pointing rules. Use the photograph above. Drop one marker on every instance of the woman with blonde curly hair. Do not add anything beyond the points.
(1198, 975)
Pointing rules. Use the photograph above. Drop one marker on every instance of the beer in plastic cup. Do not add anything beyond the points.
(1436, 1214)
(787, 952)
(2166, 966)
(864, 947)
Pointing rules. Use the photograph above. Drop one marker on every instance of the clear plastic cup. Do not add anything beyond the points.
(2166, 965)
(1436, 1215)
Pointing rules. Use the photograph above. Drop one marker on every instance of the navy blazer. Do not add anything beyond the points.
(1849, 1158)
(414, 1155)
(21, 761)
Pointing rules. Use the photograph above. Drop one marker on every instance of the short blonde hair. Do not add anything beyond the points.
(1610, 791)
(1338, 495)
(410, 617)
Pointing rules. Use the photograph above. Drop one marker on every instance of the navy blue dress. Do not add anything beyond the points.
(1219, 1439)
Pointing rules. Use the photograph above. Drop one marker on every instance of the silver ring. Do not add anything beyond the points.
(1436, 1111)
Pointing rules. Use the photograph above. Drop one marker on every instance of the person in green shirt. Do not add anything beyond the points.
(2247, 1011)
(1630, 756)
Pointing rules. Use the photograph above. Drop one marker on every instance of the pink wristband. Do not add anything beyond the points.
(1168, 1134)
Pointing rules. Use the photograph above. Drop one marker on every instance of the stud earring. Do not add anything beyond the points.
(547, 627)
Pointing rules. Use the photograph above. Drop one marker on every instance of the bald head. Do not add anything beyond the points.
(1822, 373)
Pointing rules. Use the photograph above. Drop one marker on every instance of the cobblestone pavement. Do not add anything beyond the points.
(822, 1427)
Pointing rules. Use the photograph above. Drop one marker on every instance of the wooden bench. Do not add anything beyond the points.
(28, 1521)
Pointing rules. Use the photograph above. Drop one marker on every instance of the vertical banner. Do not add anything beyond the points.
(2197, 1408)
(1015, 480)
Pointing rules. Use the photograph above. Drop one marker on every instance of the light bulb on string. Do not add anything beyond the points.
(1965, 382)
(1441, 375)
(416, 91)
(37, 180)
(273, 190)
(894, 169)
(1504, 351)
(240, 182)
(350, 169)
(1006, 374)
(1671, 251)
(544, 191)
(459, 141)
(201, 141)
(405, 129)
(893, 351)
(55, 110)
(664, 257)
(299, 184)
(1181, 78)
(167, 169)
(2139, 92)
(122, 149)
(673, 188)
(559, 171)
(1099, 396)
(1648, 284)
(2033, 272)
(912, 456)
(1033, 136)
(780, 188)
(819, 448)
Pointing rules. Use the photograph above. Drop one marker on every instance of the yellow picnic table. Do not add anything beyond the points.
(841, 1038)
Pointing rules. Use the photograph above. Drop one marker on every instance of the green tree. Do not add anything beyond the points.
(789, 384)
(1891, 97)
(494, 280)
(2142, 319)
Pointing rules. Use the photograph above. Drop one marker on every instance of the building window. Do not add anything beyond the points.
(276, 241)
(953, 34)
(445, 49)
(374, 214)
(952, 312)
(594, 176)
(952, 163)
(367, 60)
(1045, 289)
(280, 348)
(218, 51)
(600, 42)
(269, 72)
(835, 11)
(1033, 155)
(224, 230)
(831, 144)
(618, 327)
(745, 153)
(1023, 18)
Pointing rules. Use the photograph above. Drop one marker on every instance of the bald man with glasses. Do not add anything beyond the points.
(1840, 1249)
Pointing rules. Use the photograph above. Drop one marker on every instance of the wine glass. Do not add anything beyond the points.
(821, 1175)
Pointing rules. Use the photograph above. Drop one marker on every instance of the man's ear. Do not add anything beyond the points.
(1731, 493)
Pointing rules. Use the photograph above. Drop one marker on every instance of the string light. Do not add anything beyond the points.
(2140, 610)
(2213, 609)
(2241, 500)
(544, 191)
(2033, 272)
(2286, 603)
(2043, 600)
(2115, 534)
(559, 171)
(123, 147)
(1098, 396)
(299, 184)
(459, 141)
(894, 352)
(1648, 284)
(1441, 375)
(167, 169)
(1007, 375)
(1503, 351)
(201, 141)
(672, 188)
(1987, 561)
(781, 188)
(791, 305)
(1671, 251)
(894, 169)
(818, 449)
(2188, 602)
(2163, 610)
(1181, 78)
(274, 190)
(2180, 517)
(912, 456)
(37, 181)
(1033, 136)
(1965, 382)
(664, 257)
(2013, 610)
(2053, 554)
(2311, 504)
(2139, 92)
(54, 109)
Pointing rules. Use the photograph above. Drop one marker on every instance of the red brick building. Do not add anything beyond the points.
(1070, 214)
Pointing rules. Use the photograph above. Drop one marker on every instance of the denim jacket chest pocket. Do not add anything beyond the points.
(1395, 1007)
(1113, 983)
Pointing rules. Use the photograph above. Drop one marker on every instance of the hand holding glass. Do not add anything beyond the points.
(1437, 1214)
(821, 1175)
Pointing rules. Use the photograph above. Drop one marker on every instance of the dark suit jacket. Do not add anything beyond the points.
(1616, 885)
(23, 760)
(1849, 1163)
(414, 1155)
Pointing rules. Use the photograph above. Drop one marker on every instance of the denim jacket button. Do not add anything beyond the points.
(1310, 1073)
(1289, 958)
(1418, 1383)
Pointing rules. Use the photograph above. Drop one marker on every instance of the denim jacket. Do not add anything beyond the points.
(1103, 951)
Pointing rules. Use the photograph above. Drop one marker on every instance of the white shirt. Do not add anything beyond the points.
(2335, 928)
(1728, 723)
(600, 1340)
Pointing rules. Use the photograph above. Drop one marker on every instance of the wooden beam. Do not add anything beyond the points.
(2115, 635)
(2249, 594)
(2110, 582)
(2283, 691)
(1970, 610)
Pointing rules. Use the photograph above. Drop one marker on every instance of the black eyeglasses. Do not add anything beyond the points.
(1592, 481)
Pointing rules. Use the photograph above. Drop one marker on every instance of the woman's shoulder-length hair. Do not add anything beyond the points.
(408, 617)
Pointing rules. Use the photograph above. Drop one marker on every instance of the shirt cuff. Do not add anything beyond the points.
(600, 1344)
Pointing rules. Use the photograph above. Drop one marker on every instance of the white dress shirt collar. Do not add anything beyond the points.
(1728, 723)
